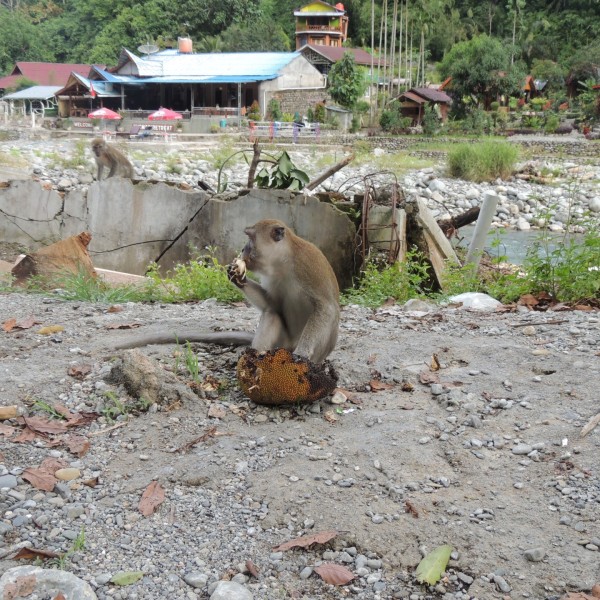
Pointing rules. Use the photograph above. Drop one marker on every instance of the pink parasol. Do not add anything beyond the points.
(104, 113)
(164, 114)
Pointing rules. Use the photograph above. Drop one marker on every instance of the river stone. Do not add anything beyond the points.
(534, 554)
(229, 590)
(67, 474)
(27, 580)
(595, 204)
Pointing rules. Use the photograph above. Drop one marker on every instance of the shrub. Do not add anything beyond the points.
(485, 161)
(310, 115)
(552, 123)
(320, 112)
(274, 110)
(254, 112)
(431, 121)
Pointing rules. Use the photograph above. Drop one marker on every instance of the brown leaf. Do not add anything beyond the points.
(115, 308)
(59, 596)
(7, 430)
(43, 425)
(435, 363)
(321, 537)
(79, 371)
(330, 417)
(32, 553)
(427, 377)
(251, 568)
(596, 591)
(40, 479)
(407, 386)
(93, 482)
(9, 325)
(528, 300)
(77, 445)
(50, 465)
(123, 326)
(377, 386)
(153, 496)
(25, 436)
(411, 509)
(334, 574)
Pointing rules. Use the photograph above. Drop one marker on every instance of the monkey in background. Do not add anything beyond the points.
(111, 157)
(298, 296)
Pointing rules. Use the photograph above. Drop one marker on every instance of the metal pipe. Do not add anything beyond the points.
(486, 214)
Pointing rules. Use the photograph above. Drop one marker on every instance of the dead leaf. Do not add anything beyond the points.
(59, 596)
(50, 329)
(527, 300)
(377, 386)
(43, 425)
(209, 433)
(40, 479)
(427, 377)
(123, 326)
(79, 371)
(251, 568)
(411, 509)
(7, 430)
(216, 412)
(9, 325)
(115, 308)
(321, 537)
(407, 386)
(33, 553)
(435, 363)
(153, 496)
(93, 482)
(25, 436)
(330, 417)
(334, 574)
(240, 412)
(77, 445)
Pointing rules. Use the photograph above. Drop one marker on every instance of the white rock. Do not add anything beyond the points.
(523, 225)
(435, 185)
(229, 590)
(595, 204)
(46, 583)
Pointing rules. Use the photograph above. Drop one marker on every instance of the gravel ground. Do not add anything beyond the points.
(484, 454)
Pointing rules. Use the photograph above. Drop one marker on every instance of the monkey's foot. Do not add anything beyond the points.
(236, 272)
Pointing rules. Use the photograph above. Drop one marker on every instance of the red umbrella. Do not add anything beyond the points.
(104, 113)
(164, 114)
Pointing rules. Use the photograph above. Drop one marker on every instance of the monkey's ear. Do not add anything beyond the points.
(277, 233)
(250, 232)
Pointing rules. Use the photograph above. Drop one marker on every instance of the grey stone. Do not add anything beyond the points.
(228, 590)
(196, 579)
(46, 582)
(535, 554)
(8, 481)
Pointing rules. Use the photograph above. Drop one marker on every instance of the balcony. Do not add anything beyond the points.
(300, 28)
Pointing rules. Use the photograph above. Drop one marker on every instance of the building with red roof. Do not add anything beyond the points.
(42, 73)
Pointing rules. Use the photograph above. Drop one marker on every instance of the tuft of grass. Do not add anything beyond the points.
(81, 286)
(378, 284)
(484, 161)
(202, 278)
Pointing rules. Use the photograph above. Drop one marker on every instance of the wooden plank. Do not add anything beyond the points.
(429, 224)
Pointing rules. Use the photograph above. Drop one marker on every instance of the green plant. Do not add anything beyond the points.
(552, 123)
(400, 281)
(284, 175)
(214, 128)
(191, 362)
(254, 111)
(48, 409)
(320, 112)
(274, 110)
(113, 408)
(173, 165)
(82, 286)
(78, 158)
(77, 546)
(484, 161)
(203, 277)
(431, 121)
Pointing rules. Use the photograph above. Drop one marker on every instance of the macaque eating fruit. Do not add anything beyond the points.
(297, 296)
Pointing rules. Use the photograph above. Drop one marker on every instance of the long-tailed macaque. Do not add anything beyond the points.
(298, 296)
(111, 157)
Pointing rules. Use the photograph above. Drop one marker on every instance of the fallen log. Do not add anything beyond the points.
(450, 226)
(311, 185)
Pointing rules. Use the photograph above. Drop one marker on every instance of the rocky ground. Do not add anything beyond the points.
(484, 453)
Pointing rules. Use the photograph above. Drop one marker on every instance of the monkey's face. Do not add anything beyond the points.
(263, 243)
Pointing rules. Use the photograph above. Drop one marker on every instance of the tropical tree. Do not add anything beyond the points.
(346, 81)
(481, 69)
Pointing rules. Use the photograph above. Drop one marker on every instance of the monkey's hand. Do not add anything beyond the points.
(236, 272)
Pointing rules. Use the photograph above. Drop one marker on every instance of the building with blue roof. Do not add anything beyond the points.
(196, 83)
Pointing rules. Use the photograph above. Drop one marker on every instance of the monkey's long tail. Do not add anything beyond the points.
(222, 338)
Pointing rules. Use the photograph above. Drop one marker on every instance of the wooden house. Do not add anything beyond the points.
(321, 24)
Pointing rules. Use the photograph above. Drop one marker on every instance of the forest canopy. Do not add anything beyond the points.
(94, 31)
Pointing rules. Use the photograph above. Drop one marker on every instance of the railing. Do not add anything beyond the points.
(275, 129)
(300, 28)
(214, 111)
(144, 114)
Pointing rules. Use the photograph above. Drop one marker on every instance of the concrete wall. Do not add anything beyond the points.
(133, 225)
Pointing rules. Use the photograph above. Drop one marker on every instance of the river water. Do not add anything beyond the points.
(513, 243)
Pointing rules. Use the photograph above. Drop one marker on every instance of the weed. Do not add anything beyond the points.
(484, 161)
(48, 409)
(400, 282)
(203, 277)
(78, 545)
(78, 158)
(191, 362)
(82, 286)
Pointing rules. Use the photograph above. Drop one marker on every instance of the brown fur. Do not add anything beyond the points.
(111, 157)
